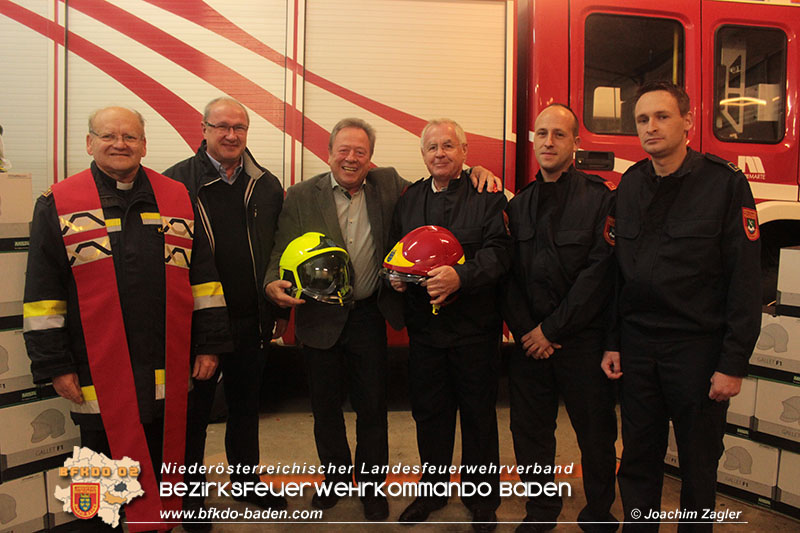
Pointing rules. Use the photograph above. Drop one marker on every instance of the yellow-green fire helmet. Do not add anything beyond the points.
(318, 268)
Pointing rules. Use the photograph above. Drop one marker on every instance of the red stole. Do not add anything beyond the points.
(87, 244)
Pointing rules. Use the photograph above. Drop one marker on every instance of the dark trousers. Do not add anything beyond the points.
(663, 381)
(442, 381)
(242, 371)
(574, 373)
(356, 363)
(97, 441)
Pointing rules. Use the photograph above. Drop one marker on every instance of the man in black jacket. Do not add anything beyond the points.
(688, 306)
(560, 285)
(453, 355)
(238, 203)
(105, 315)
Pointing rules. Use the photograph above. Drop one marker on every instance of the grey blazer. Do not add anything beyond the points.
(309, 206)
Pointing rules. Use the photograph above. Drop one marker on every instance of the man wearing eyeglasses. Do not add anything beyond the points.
(238, 203)
(107, 319)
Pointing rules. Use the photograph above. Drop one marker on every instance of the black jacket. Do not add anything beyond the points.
(562, 273)
(688, 251)
(477, 222)
(58, 347)
(263, 198)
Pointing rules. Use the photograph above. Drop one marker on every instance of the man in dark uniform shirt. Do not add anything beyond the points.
(453, 354)
(555, 300)
(688, 306)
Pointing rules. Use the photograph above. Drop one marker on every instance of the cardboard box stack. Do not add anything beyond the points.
(761, 462)
(37, 431)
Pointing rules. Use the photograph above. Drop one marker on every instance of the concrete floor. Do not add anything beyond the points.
(286, 431)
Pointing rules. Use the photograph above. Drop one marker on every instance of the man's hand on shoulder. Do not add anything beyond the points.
(204, 366)
(68, 386)
(277, 294)
(724, 387)
(484, 178)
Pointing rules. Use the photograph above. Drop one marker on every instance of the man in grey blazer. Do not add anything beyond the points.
(353, 205)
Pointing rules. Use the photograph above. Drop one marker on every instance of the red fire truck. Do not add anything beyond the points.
(300, 65)
(739, 62)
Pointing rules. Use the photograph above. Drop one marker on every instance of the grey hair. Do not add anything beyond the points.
(94, 114)
(462, 137)
(352, 122)
(215, 101)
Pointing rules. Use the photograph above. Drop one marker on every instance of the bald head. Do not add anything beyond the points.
(116, 142)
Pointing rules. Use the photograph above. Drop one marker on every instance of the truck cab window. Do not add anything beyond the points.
(622, 53)
(749, 84)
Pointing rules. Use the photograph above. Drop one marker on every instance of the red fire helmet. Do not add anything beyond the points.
(420, 251)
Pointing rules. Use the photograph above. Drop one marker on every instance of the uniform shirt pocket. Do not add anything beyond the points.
(626, 228)
(573, 248)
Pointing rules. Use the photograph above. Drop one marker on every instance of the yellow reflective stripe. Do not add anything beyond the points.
(89, 394)
(212, 288)
(151, 218)
(113, 224)
(88, 407)
(91, 406)
(208, 295)
(44, 308)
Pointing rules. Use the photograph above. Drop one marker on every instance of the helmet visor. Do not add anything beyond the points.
(327, 278)
(394, 275)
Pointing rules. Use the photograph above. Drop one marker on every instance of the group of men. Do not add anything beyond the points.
(680, 312)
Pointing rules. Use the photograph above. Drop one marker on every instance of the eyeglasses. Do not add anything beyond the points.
(111, 138)
(238, 129)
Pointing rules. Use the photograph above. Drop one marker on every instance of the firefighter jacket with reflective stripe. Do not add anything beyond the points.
(52, 325)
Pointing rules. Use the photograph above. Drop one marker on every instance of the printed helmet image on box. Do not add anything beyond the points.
(791, 409)
(8, 508)
(737, 458)
(49, 423)
(419, 252)
(773, 337)
(317, 268)
(3, 360)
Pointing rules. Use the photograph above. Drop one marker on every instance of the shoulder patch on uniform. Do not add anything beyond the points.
(609, 230)
(720, 161)
(750, 222)
(602, 181)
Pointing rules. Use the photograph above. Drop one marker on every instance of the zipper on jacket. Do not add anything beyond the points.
(247, 195)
